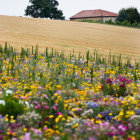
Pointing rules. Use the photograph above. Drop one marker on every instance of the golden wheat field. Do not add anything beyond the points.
(67, 35)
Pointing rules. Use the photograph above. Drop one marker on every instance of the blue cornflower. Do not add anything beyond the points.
(92, 105)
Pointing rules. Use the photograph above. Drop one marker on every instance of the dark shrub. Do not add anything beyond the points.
(12, 107)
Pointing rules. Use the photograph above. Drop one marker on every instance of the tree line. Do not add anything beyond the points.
(129, 14)
(127, 17)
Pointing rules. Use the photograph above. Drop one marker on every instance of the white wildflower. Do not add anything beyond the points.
(9, 92)
(2, 102)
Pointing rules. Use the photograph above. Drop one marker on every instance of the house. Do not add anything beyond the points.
(94, 15)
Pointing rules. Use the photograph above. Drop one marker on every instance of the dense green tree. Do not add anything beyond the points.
(133, 15)
(130, 14)
(44, 9)
(122, 15)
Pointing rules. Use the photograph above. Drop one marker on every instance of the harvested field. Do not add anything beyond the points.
(67, 35)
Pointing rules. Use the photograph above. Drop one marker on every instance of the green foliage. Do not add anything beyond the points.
(12, 107)
(135, 24)
(87, 56)
(125, 22)
(118, 22)
(110, 22)
(122, 16)
(133, 15)
(44, 9)
(130, 14)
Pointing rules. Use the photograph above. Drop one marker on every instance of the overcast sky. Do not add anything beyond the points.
(69, 7)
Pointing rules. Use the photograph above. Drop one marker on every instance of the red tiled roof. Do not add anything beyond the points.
(94, 13)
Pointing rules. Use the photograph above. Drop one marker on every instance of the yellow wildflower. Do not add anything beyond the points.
(75, 125)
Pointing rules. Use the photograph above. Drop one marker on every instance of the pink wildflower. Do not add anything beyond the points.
(59, 113)
(54, 107)
(36, 107)
(26, 136)
(45, 107)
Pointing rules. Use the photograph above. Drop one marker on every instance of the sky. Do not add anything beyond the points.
(69, 7)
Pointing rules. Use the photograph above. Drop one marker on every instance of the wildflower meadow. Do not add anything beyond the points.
(55, 96)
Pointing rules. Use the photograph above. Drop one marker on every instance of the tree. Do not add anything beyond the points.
(133, 15)
(130, 14)
(44, 9)
(122, 15)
